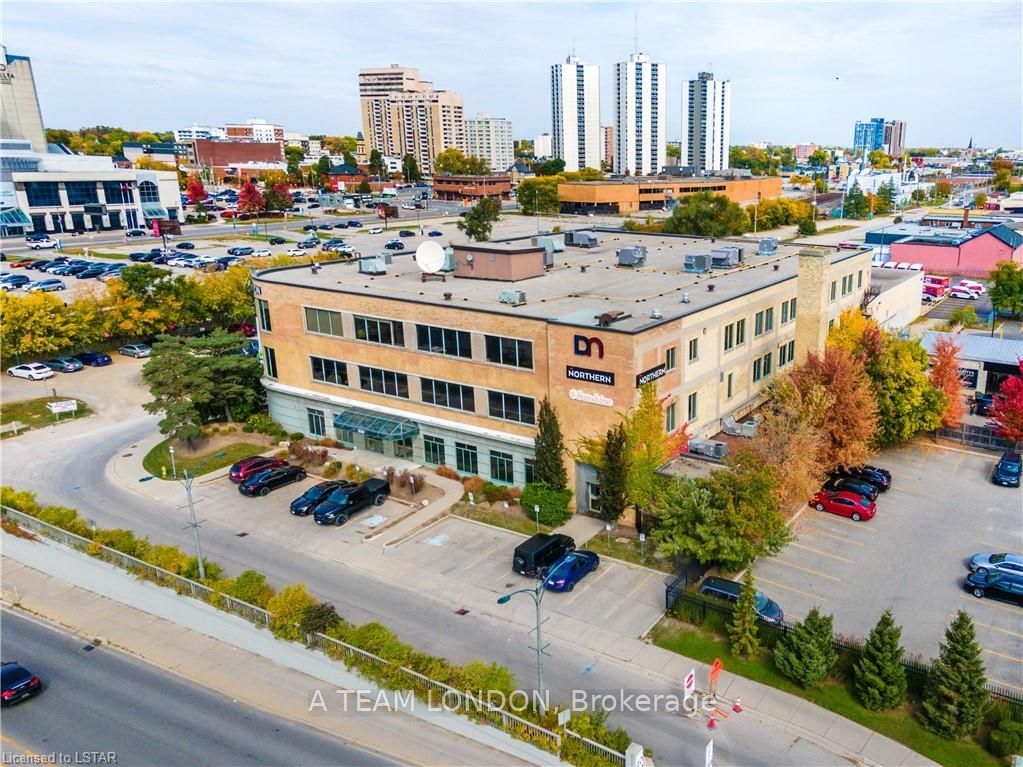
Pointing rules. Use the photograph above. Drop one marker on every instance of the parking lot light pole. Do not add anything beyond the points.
(174, 468)
(537, 595)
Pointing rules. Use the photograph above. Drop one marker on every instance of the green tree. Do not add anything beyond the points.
(979, 201)
(886, 198)
(879, 676)
(410, 168)
(478, 221)
(907, 402)
(323, 166)
(707, 214)
(318, 618)
(477, 166)
(954, 698)
(806, 654)
(674, 151)
(820, 157)
(377, 167)
(277, 198)
(648, 447)
(451, 161)
(1006, 289)
(742, 631)
(294, 156)
(549, 448)
(807, 226)
(179, 386)
(855, 204)
(287, 609)
(941, 190)
(538, 195)
(879, 159)
(612, 473)
(251, 586)
(364, 187)
(550, 167)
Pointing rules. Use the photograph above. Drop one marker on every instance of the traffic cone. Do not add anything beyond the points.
(737, 708)
(712, 724)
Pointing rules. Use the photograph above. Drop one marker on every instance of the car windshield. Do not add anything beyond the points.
(312, 493)
(259, 476)
(996, 559)
(761, 602)
(864, 502)
(1009, 467)
(338, 496)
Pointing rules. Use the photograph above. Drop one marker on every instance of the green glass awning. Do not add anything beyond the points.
(14, 217)
(153, 210)
(376, 425)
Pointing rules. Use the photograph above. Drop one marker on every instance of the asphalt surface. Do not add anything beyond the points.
(104, 701)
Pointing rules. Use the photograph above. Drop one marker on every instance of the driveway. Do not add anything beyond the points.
(942, 509)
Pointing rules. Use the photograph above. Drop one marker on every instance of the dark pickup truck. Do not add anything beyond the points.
(345, 501)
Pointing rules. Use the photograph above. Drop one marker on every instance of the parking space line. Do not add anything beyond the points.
(1003, 655)
(1001, 547)
(989, 603)
(837, 537)
(1000, 683)
(628, 596)
(959, 462)
(588, 584)
(822, 553)
(804, 569)
(789, 588)
(996, 628)
(850, 523)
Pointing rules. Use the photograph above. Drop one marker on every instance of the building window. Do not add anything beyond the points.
(347, 436)
(758, 324)
(692, 407)
(329, 371)
(317, 422)
(728, 390)
(831, 325)
(783, 355)
(383, 381)
(466, 458)
(117, 192)
(390, 332)
(403, 448)
(740, 332)
(270, 358)
(447, 394)
(148, 192)
(694, 349)
(455, 343)
(434, 450)
(509, 351)
(42, 194)
(859, 279)
(501, 467)
(529, 466)
(375, 444)
(593, 497)
(670, 418)
(81, 192)
(756, 370)
(511, 407)
(792, 351)
(769, 320)
(669, 358)
(323, 321)
(788, 311)
(767, 363)
(834, 289)
(729, 337)
(263, 313)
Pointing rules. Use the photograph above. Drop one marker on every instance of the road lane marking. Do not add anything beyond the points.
(996, 628)
(15, 744)
(761, 579)
(1003, 655)
(804, 569)
(822, 553)
(837, 537)
(848, 523)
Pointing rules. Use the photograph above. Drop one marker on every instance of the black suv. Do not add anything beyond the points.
(1007, 470)
(534, 556)
(339, 506)
(858, 486)
(878, 477)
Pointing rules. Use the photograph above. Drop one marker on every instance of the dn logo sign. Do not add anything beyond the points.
(585, 347)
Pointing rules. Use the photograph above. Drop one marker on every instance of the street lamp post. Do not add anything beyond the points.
(174, 468)
(537, 596)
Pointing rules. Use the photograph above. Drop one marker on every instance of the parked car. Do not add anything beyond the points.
(136, 350)
(998, 585)
(186, 246)
(878, 477)
(243, 250)
(435, 233)
(23, 263)
(254, 464)
(534, 556)
(407, 206)
(307, 502)
(18, 683)
(33, 371)
(959, 291)
(294, 252)
(858, 486)
(15, 281)
(339, 506)
(113, 274)
(36, 237)
(984, 403)
(395, 245)
(262, 482)
(325, 227)
(997, 563)
(355, 223)
(42, 244)
(722, 588)
(309, 228)
(263, 253)
(973, 285)
(341, 225)
(94, 359)
(227, 261)
(139, 257)
(44, 286)
(63, 364)
(133, 233)
(570, 569)
(308, 244)
(845, 504)
(406, 233)
(313, 205)
(247, 329)
(39, 263)
(1007, 470)
(375, 230)
(92, 272)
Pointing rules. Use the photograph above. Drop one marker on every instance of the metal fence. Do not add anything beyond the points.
(976, 436)
(673, 591)
(596, 748)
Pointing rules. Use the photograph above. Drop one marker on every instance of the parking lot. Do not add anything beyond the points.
(944, 309)
(911, 557)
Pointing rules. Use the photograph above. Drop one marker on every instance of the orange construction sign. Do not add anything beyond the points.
(715, 669)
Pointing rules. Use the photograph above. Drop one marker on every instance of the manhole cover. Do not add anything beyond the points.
(241, 535)
(462, 611)
(127, 455)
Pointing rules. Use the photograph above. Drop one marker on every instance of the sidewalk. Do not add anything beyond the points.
(227, 654)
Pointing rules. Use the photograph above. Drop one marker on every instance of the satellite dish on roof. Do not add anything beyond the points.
(430, 257)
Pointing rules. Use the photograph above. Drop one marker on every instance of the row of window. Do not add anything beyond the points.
(46, 194)
(847, 284)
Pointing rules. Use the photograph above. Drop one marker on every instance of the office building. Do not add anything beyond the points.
(210, 132)
(454, 372)
(543, 146)
(868, 136)
(608, 135)
(491, 138)
(802, 152)
(894, 140)
(641, 100)
(631, 195)
(706, 123)
(259, 131)
(20, 116)
(575, 111)
(402, 114)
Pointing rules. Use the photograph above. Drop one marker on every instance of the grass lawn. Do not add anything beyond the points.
(32, 413)
(92, 253)
(159, 457)
(900, 725)
(836, 228)
(516, 521)
(630, 551)
(239, 236)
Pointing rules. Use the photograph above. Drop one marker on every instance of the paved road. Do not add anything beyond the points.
(105, 701)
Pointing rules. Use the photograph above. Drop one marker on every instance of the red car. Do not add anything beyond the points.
(254, 464)
(845, 504)
(22, 263)
(246, 329)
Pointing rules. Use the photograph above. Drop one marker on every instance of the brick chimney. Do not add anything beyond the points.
(812, 300)
(966, 216)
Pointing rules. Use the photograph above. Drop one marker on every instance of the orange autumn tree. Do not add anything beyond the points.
(944, 377)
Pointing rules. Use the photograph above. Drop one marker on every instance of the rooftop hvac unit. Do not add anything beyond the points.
(768, 245)
(725, 258)
(556, 241)
(372, 265)
(584, 239)
(698, 262)
(708, 447)
(513, 297)
(633, 255)
(449, 259)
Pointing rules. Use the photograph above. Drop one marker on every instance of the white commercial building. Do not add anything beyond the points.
(575, 108)
(200, 131)
(706, 120)
(641, 106)
(20, 116)
(543, 145)
(491, 138)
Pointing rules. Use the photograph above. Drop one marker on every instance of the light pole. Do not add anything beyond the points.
(537, 595)
(174, 468)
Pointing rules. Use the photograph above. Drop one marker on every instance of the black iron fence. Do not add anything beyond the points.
(976, 436)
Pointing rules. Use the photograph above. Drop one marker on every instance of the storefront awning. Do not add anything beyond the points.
(14, 217)
(151, 210)
(375, 425)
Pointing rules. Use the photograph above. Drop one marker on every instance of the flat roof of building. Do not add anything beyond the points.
(583, 284)
(886, 279)
(666, 179)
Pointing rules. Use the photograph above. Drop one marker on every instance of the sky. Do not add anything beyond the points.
(800, 72)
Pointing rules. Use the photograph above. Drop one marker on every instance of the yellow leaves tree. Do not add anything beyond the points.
(227, 295)
(145, 162)
(36, 325)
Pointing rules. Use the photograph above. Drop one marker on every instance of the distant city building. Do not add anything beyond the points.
(402, 114)
(575, 112)
(878, 133)
(674, 161)
(20, 116)
(220, 157)
(200, 131)
(802, 152)
(894, 138)
(641, 106)
(255, 130)
(491, 138)
(168, 153)
(543, 145)
(608, 134)
(706, 123)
